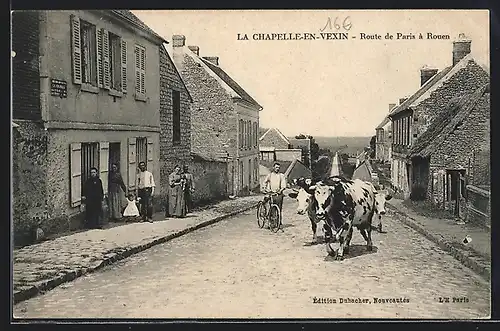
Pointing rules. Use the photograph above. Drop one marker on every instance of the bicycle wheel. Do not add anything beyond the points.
(274, 218)
(261, 214)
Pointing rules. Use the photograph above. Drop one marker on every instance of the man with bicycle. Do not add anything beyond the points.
(275, 183)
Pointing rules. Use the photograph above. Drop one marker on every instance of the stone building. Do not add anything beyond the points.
(275, 146)
(412, 116)
(85, 94)
(445, 155)
(224, 117)
(175, 125)
(383, 141)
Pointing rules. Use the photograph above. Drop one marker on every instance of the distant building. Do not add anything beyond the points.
(305, 146)
(274, 146)
(383, 142)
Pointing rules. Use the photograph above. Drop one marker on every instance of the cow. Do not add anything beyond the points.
(307, 204)
(381, 196)
(345, 204)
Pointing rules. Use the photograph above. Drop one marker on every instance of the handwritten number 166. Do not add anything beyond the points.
(346, 24)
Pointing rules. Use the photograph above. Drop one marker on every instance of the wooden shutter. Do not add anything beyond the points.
(104, 164)
(137, 66)
(100, 69)
(76, 50)
(132, 166)
(150, 154)
(143, 71)
(75, 174)
(124, 65)
(105, 60)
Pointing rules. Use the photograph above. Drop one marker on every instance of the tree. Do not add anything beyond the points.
(372, 146)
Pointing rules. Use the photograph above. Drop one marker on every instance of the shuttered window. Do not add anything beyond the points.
(99, 57)
(142, 150)
(240, 134)
(132, 163)
(104, 164)
(140, 71)
(84, 51)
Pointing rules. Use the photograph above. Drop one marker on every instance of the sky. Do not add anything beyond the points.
(325, 87)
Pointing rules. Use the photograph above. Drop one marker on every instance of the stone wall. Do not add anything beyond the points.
(30, 144)
(466, 80)
(172, 153)
(210, 180)
(213, 116)
(459, 148)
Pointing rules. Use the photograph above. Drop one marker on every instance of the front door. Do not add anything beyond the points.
(114, 154)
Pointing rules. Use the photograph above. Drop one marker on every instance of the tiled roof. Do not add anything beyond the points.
(281, 135)
(433, 80)
(446, 122)
(134, 20)
(231, 83)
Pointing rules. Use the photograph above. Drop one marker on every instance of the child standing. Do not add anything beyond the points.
(131, 212)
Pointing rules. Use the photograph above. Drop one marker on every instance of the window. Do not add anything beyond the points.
(99, 57)
(115, 59)
(256, 169)
(240, 133)
(140, 71)
(84, 51)
(90, 158)
(176, 126)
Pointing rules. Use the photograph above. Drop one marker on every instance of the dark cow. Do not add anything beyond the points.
(307, 203)
(345, 204)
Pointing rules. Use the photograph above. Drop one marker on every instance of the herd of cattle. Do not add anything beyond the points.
(340, 204)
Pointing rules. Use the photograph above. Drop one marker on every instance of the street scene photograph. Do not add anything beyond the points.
(250, 164)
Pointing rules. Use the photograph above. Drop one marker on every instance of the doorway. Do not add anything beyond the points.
(455, 188)
(114, 155)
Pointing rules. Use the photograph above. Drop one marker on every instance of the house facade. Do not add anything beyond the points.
(224, 117)
(175, 125)
(447, 154)
(275, 146)
(413, 116)
(83, 96)
(304, 145)
(383, 141)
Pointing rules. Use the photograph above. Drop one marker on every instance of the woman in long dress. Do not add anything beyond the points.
(176, 201)
(92, 196)
(115, 185)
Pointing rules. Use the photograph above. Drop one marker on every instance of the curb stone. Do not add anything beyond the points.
(445, 245)
(47, 285)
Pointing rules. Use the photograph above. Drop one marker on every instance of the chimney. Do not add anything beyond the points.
(401, 100)
(426, 73)
(461, 48)
(195, 50)
(178, 40)
(212, 59)
(391, 105)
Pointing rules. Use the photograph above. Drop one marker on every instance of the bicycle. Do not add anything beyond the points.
(268, 211)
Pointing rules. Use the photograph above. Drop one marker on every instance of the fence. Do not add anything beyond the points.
(479, 204)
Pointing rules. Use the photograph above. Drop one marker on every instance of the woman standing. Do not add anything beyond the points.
(176, 201)
(92, 197)
(115, 201)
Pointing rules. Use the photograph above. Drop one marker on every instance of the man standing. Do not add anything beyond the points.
(145, 191)
(189, 188)
(275, 182)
